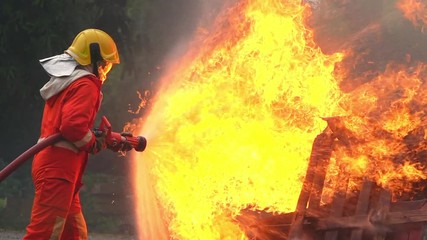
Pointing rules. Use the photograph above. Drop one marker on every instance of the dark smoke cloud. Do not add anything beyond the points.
(376, 32)
(175, 24)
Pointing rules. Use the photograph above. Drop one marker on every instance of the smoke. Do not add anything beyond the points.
(373, 33)
(172, 26)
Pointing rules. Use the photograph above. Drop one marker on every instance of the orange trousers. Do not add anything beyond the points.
(56, 212)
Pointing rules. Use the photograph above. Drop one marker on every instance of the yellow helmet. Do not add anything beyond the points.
(80, 49)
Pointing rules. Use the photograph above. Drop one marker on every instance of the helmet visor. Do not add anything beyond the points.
(103, 69)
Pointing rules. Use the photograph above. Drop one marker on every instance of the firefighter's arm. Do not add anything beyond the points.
(78, 111)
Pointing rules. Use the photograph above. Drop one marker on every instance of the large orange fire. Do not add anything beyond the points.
(232, 125)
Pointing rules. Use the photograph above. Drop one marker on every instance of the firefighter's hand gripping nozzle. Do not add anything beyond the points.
(119, 141)
(114, 141)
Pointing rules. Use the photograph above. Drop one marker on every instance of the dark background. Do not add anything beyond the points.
(145, 31)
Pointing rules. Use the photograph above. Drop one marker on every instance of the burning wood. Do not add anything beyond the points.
(368, 213)
(233, 124)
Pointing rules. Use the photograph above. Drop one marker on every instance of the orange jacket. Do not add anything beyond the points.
(72, 113)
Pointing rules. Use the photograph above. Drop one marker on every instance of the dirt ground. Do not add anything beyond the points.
(15, 235)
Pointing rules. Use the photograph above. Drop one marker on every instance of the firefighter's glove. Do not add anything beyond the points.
(122, 146)
(100, 143)
(126, 146)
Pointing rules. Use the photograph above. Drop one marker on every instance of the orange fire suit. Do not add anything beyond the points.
(57, 170)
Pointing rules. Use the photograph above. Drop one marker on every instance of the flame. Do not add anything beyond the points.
(384, 115)
(233, 123)
(414, 10)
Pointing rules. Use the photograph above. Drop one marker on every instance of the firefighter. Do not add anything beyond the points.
(72, 98)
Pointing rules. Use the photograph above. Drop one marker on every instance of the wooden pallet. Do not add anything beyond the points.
(367, 214)
(373, 216)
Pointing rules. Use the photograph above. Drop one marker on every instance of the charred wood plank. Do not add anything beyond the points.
(362, 207)
(366, 221)
(338, 202)
(380, 215)
(320, 155)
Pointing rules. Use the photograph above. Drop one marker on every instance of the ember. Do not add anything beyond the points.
(272, 85)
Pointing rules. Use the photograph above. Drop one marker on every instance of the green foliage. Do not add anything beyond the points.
(12, 187)
(3, 203)
(15, 185)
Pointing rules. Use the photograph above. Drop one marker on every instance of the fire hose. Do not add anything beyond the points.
(112, 139)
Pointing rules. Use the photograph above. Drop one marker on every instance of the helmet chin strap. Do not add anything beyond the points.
(95, 56)
(88, 68)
